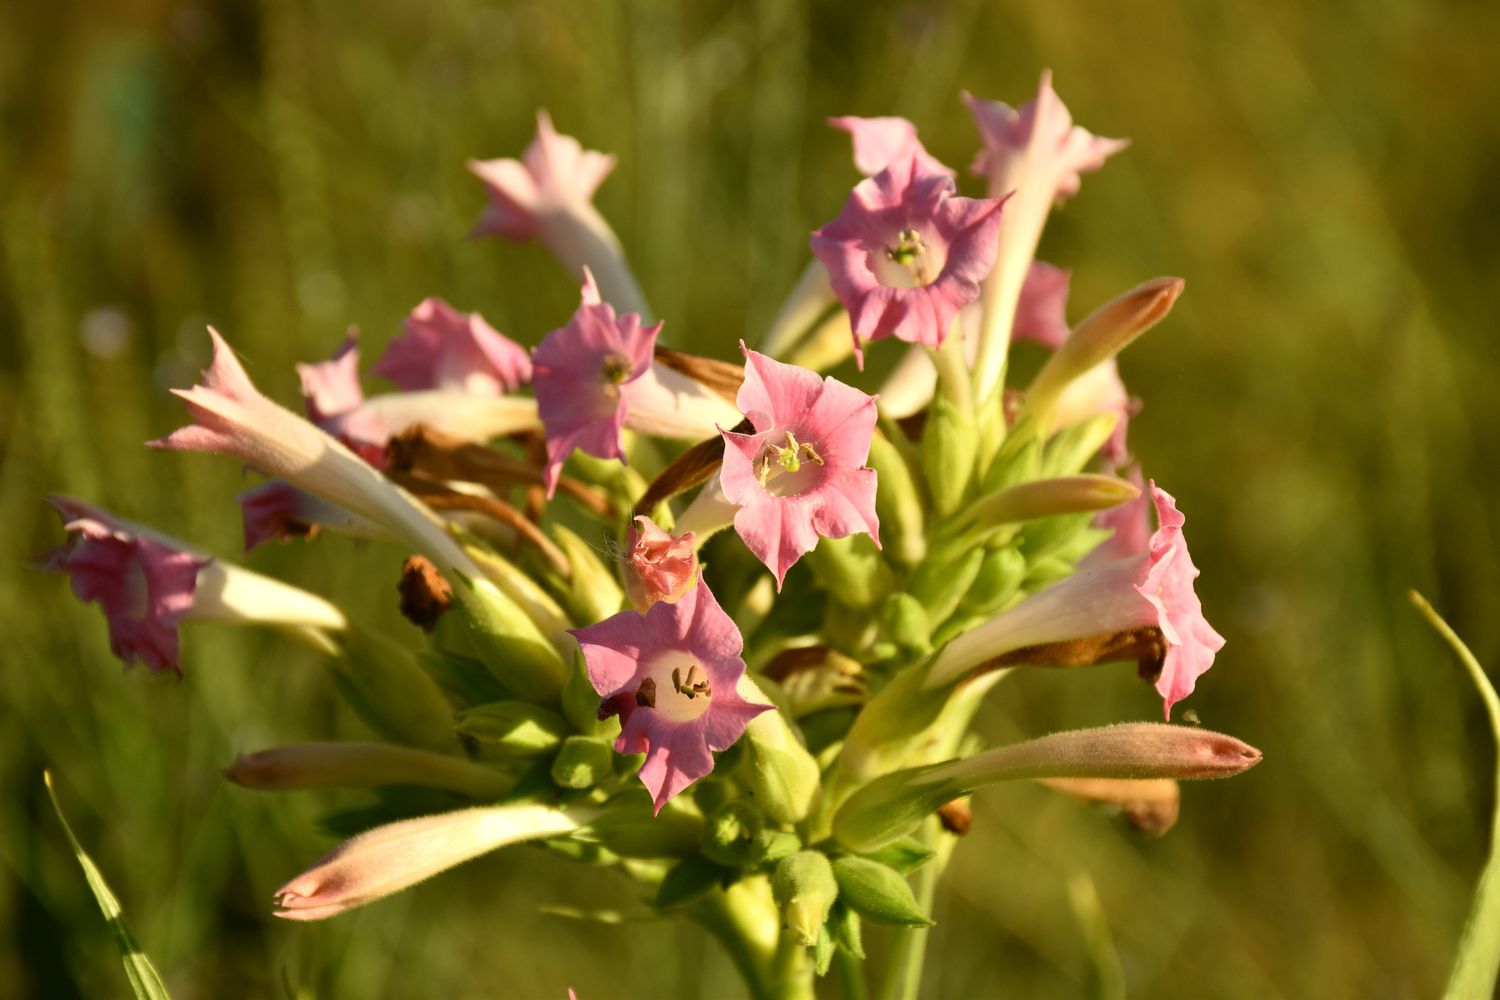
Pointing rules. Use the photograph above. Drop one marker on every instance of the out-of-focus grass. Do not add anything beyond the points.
(1320, 403)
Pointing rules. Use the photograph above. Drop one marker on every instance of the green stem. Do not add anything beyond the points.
(747, 923)
(851, 975)
(903, 971)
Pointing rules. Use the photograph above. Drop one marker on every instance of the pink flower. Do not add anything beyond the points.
(585, 376)
(144, 587)
(1035, 155)
(1039, 143)
(671, 676)
(658, 566)
(879, 142)
(906, 253)
(1140, 606)
(443, 348)
(148, 584)
(1130, 523)
(801, 473)
(232, 417)
(1097, 391)
(1042, 313)
(335, 401)
(276, 511)
(554, 174)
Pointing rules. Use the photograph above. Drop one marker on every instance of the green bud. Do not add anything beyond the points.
(525, 592)
(464, 677)
(898, 503)
(905, 621)
(1048, 570)
(1071, 448)
(582, 762)
(877, 893)
(1020, 462)
(843, 925)
(386, 686)
(999, 577)
(1051, 535)
(1044, 498)
(729, 835)
(509, 643)
(710, 793)
(852, 569)
(783, 776)
(773, 845)
(949, 445)
(513, 728)
(630, 828)
(593, 591)
(580, 702)
(804, 888)
(689, 881)
(942, 581)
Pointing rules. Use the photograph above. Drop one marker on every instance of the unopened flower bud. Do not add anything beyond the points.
(513, 728)
(906, 622)
(582, 762)
(593, 593)
(1046, 498)
(390, 858)
(729, 835)
(805, 889)
(783, 775)
(950, 442)
(392, 693)
(362, 765)
(1103, 334)
(877, 893)
(999, 577)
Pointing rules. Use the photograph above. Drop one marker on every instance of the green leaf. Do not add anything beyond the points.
(145, 982)
(1478, 963)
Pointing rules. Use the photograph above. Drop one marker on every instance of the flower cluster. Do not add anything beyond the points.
(561, 513)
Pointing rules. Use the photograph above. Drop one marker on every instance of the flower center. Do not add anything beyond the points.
(908, 262)
(615, 369)
(676, 686)
(780, 465)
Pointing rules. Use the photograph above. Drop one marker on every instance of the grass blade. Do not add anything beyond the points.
(145, 981)
(1478, 961)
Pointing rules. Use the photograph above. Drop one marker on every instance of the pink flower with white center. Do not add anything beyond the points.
(1038, 154)
(585, 376)
(1042, 312)
(657, 566)
(907, 253)
(879, 142)
(547, 195)
(801, 474)
(443, 348)
(1140, 606)
(671, 675)
(148, 584)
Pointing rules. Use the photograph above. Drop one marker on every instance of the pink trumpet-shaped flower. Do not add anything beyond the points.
(907, 253)
(671, 675)
(396, 856)
(1130, 523)
(585, 376)
(657, 566)
(443, 348)
(801, 473)
(335, 401)
(554, 175)
(1042, 312)
(276, 511)
(879, 142)
(144, 587)
(1140, 606)
(232, 417)
(1037, 143)
(148, 584)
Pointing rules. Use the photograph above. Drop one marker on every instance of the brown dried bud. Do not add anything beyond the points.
(956, 816)
(425, 594)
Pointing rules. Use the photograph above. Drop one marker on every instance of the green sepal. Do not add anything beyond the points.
(942, 581)
(905, 855)
(690, 880)
(822, 952)
(730, 833)
(516, 729)
(593, 592)
(582, 762)
(464, 677)
(632, 829)
(877, 893)
(905, 620)
(999, 577)
(844, 926)
(391, 692)
(898, 504)
(852, 570)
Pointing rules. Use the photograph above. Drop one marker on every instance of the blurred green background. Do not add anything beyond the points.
(1322, 404)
